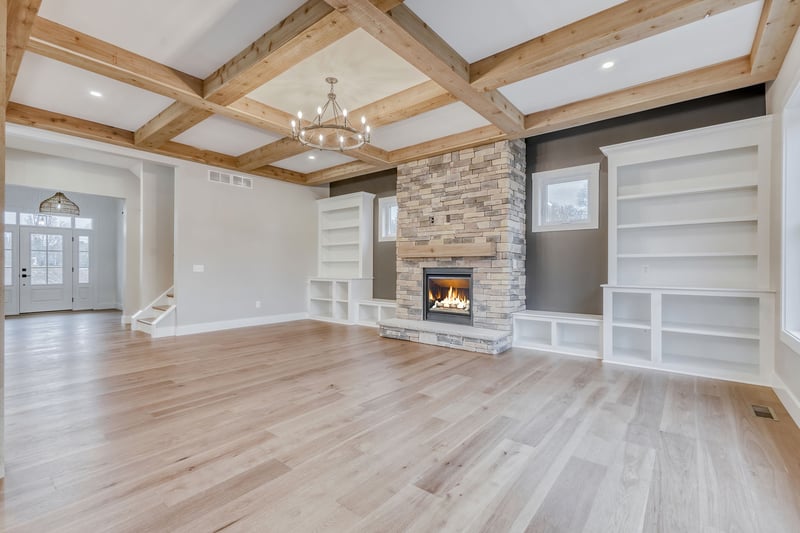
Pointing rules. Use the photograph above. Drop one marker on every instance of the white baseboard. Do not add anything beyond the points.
(787, 398)
(102, 306)
(205, 327)
(126, 319)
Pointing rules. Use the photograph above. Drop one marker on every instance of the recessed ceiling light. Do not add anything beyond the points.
(312, 157)
(96, 94)
(608, 65)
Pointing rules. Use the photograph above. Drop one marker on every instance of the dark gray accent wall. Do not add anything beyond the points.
(384, 254)
(566, 268)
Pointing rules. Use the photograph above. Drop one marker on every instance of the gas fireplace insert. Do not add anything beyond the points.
(447, 295)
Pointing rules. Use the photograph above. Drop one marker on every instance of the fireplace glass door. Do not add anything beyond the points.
(448, 295)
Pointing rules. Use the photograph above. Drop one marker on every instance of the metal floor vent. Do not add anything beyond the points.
(763, 411)
(230, 179)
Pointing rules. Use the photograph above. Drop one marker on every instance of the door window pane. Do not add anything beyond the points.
(8, 279)
(55, 259)
(83, 259)
(83, 275)
(55, 242)
(83, 243)
(38, 259)
(38, 276)
(38, 242)
(8, 243)
(55, 276)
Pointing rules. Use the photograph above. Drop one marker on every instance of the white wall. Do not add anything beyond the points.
(783, 98)
(157, 231)
(255, 245)
(103, 211)
(48, 172)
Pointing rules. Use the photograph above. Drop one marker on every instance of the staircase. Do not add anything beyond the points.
(158, 318)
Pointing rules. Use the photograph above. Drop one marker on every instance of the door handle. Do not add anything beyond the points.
(24, 275)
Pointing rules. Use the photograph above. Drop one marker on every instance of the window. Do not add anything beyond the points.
(8, 245)
(790, 288)
(83, 259)
(47, 259)
(83, 223)
(566, 199)
(10, 217)
(387, 218)
(50, 221)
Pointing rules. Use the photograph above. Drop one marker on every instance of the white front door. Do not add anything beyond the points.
(11, 272)
(45, 266)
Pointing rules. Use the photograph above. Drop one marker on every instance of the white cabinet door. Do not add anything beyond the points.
(45, 269)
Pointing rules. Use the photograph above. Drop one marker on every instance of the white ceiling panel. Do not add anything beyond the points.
(56, 86)
(313, 161)
(447, 120)
(194, 36)
(226, 136)
(475, 28)
(367, 71)
(706, 42)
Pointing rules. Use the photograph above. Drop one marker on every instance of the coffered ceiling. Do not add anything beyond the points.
(217, 81)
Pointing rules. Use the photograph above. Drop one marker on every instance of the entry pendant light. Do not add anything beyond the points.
(59, 204)
(330, 129)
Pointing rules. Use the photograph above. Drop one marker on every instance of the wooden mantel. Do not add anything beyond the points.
(408, 250)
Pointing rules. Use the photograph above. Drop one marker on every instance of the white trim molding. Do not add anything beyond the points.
(787, 398)
(205, 327)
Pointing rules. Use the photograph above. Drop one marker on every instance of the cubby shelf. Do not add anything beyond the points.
(345, 236)
(566, 333)
(334, 299)
(688, 261)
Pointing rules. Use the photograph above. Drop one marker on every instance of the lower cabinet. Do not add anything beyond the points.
(723, 334)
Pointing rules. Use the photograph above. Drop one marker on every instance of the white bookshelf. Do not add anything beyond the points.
(566, 333)
(345, 236)
(335, 300)
(689, 274)
(374, 310)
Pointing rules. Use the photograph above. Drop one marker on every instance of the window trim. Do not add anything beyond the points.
(540, 180)
(790, 138)
(384, 206)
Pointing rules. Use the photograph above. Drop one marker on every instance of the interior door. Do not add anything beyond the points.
(45, 267)
(11, 272)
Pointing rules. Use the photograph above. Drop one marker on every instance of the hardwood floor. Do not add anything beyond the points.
(310, 426)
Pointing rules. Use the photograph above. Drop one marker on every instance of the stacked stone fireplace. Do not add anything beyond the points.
(474, 196)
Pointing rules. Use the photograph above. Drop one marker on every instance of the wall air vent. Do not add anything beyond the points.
(230, 179)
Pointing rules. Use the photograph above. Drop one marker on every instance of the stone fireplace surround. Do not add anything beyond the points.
(468, 197)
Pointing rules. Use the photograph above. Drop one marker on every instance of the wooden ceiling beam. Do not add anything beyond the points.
(343, 172)
(20, 17)
(76, 127)
(727, 76)
(617, 26)
(411, 102)
(451, 143)
(410, 38)
(270, 153)
(776, 29)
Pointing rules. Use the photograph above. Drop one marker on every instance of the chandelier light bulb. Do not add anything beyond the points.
(319, 110)
(363, 120)
(321, 138)
(344, 112)
(368, 129)
(299, 115)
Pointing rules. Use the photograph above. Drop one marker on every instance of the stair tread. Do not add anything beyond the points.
(147, 320)
(160, 307)
(171, 295)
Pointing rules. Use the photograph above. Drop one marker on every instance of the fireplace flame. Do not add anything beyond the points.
(455, 299)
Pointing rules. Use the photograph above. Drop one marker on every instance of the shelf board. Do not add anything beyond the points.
(711, 331)
(338, 244)
(687, 192)
(338, 260)
(315, 299)
(339, 225)
(632, 324)
(689, 222)
(687, 255)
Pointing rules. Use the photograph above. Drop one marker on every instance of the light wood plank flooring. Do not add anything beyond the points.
(310, 426)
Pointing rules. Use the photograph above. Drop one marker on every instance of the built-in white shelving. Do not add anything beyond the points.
(567, 333)
(689, 277)
(372, 311)
(336, 299)
(345, 236)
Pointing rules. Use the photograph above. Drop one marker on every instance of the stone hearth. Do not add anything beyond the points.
(476, 195)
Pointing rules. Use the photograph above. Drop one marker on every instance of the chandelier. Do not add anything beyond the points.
(59, 204)
(330, 129)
